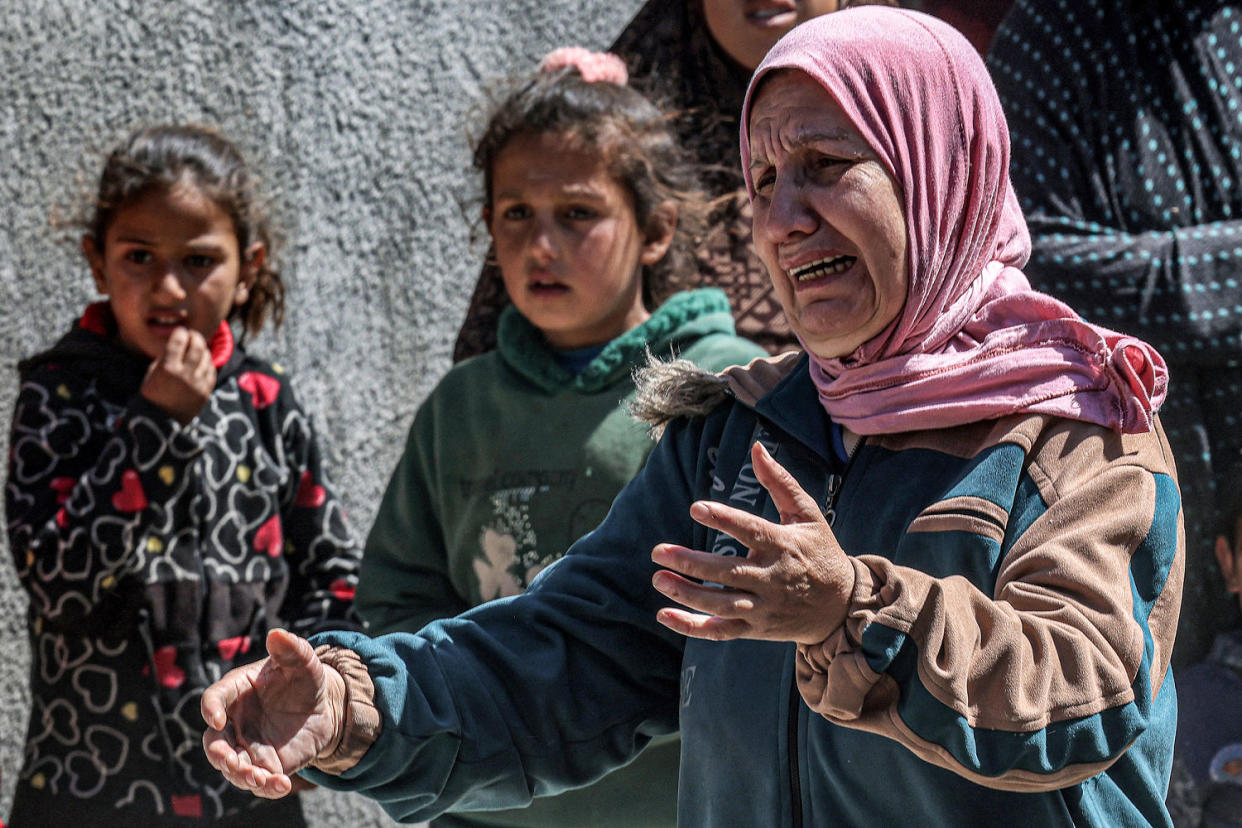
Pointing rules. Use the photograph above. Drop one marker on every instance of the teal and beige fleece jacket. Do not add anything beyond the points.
(1005, 658)
(509, 461)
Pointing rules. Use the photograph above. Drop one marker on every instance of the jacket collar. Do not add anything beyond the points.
(92, 343)
(793, 406)
(683, 318)
(780, 390)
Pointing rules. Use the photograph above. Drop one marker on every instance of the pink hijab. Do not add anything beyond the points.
(973, 341)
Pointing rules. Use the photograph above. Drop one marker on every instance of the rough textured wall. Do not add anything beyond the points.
(358, 112)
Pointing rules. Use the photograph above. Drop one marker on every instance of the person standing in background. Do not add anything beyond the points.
(977, 19)
(694, 58)
(1127, 157)
(166, 499)
(591, 205)
(1206, 788)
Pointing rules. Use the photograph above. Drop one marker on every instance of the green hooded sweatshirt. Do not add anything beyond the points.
(510, 460)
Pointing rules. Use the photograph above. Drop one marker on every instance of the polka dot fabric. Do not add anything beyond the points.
(1126, 128)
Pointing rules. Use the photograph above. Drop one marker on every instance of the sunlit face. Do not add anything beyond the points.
(170, 259)
(747, 29)
(828, 217)
(567, 241)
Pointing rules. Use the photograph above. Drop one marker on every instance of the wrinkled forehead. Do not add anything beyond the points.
(790, 108)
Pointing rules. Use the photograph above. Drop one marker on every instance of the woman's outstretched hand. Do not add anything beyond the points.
(794, 585)
(269, 719)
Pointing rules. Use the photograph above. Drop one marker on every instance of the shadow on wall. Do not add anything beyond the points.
(358, 115)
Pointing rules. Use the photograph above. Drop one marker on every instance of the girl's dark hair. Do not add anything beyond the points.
(638, 144)
(166, 156)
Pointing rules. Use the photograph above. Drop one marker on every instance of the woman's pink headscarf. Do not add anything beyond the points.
(973, 341)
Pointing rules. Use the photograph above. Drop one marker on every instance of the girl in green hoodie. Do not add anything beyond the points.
(592, 207)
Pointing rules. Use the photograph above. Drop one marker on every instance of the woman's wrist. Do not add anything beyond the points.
(351, 695)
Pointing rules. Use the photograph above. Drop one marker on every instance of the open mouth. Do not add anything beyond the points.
(165, 321)
(829, 266)
(769, 14)
(547, 287)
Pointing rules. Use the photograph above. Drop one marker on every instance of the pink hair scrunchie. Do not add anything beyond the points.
(592, 66)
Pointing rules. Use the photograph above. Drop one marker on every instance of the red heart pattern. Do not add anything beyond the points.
(114, 509)
(131, 497)
(310, 494)
(63, 486)
(263, 389)
(167, 673)
(230, 647)
(190, 805)
(269, 538)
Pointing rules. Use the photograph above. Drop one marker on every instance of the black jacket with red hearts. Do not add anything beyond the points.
(156, 557)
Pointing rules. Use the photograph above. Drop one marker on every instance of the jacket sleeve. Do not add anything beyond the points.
(322, 553)
(405, 579)
(1175, 287)
(542, 691)
(93, 494)
(1048, 678)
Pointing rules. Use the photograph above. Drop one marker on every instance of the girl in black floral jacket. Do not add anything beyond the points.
(166, 499)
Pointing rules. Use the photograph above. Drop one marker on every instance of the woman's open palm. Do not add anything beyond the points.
(267, 720)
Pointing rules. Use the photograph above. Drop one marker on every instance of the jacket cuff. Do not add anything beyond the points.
(361, 722)
(833, 676)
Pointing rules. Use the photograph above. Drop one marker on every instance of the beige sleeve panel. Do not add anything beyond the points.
(751, 381)
(1057, 641)
(360, 719)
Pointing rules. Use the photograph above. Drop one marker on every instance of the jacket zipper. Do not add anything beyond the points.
(835, 483)
(795, 772)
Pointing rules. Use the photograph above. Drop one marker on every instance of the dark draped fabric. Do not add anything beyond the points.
(1126, 122)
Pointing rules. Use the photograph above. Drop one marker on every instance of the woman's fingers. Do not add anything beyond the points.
(726, 570)
(750, 530)
(715, 600)
(792, 503)
(711, 627)
(290, 651)
(790, 499)
(220, 696)
(268, 785)
(237, 765)
(218, 748)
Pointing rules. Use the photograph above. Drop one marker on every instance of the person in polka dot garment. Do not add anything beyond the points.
(1126, 123)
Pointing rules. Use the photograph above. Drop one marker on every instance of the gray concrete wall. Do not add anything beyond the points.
(359, 114)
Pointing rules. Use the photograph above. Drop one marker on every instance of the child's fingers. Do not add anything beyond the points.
(195, 352)
(174, 349)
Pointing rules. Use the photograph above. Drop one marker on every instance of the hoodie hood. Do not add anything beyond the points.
(683, 318)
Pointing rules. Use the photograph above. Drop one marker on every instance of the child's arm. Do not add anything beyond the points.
(94, 492)
(321, 551)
